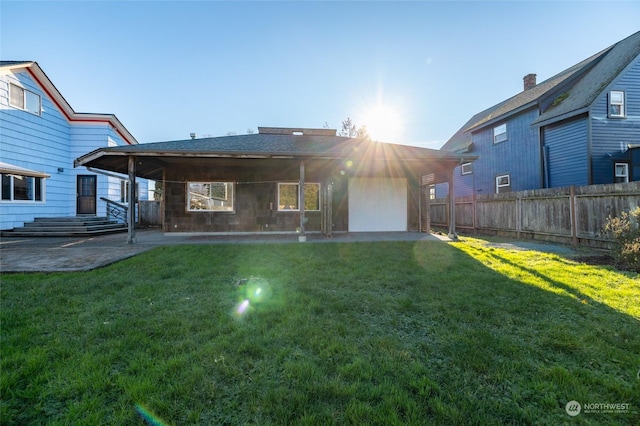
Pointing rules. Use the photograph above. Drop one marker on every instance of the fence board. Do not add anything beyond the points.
(544, 214)
(149, 213)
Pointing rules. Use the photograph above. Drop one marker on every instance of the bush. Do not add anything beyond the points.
(625, 231)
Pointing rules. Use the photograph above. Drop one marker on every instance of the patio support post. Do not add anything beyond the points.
(452, 205)
(131, 213)
(302, 237)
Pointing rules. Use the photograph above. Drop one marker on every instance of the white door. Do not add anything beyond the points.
(377, 204)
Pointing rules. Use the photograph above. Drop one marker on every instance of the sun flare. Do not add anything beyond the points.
(383, 122)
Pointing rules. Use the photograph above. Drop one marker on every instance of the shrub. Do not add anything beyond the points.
(625, 231)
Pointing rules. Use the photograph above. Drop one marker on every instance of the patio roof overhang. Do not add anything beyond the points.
(152, 159)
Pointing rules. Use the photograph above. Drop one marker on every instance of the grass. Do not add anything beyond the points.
(353, 333)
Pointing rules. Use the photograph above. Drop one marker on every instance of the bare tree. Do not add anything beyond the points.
(350, 130)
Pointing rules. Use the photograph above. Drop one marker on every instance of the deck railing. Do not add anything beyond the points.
(116, 210)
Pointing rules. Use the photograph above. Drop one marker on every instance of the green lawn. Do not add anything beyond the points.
(335, 333)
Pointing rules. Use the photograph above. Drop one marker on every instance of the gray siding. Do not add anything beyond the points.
(567, 153)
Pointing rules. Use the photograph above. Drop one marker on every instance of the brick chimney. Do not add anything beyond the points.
(529, 81)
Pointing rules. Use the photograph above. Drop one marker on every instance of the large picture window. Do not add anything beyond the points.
(210, 196)
(289, 196)
(22, 188)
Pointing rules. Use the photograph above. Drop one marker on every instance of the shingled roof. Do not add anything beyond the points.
(579, 86)
(283, 145)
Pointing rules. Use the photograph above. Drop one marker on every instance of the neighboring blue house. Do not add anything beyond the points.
(40, 136)
(580, 127)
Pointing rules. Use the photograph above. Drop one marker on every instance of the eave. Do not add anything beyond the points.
(63, 106)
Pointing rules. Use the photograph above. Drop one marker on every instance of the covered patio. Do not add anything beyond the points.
(284, 180)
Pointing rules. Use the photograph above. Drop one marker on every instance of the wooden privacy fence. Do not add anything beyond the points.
(571, 215)
(149, 213)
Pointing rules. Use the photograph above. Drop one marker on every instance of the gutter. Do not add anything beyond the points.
(101, 172)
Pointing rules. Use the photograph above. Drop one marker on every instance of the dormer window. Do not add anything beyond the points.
(616, 104)
(23, 99)
(500, 133)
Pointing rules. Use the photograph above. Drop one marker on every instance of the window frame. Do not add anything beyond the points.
(620, 104)
(468, 172)
(231, 198)
(498, 185)
(297, 208)
(432, 192)
(497, 135)
(37, 189)
(25, 100)
(624, 176)
(124, 191)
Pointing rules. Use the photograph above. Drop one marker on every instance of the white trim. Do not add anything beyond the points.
(25, 93)
(620, 103)
(625, 175)
(468, 172)
(507, 185)
(499, 135)
(298, 200)
(232, 198)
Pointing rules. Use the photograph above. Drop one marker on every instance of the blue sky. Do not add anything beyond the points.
(168, 68)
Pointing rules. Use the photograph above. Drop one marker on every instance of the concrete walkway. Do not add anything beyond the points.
(65, 254)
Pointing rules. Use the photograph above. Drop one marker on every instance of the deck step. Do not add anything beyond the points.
(67, 226)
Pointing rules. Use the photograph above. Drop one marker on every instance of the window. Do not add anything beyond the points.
(124, 191)
(432, 192)
(289, 196)
(210, 196)
(616, 104)
(24, 99)
(621, 173)
(500, 133)
(22, 188)
(503, 183)
(467, 168)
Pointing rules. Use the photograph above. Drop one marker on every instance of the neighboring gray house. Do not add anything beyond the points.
(579, 127)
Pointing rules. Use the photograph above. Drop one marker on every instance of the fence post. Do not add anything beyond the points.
(474, 217)
(518, 216)
(574, 220)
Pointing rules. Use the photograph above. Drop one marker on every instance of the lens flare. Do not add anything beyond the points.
(148, 417)
(242, 307)
(252, 292)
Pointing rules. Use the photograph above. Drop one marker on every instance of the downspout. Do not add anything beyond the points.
(545, 166)
(102, 172)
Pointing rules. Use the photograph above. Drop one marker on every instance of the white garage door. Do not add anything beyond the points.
(377, 204)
